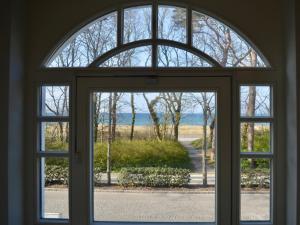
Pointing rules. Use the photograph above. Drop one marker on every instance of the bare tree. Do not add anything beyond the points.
(109, 141)
(133, 114)
(206, 101)
(57, 103)
(174, 104)
(154, 116)
(97, 108)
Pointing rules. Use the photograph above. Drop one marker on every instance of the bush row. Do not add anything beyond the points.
(56, 175)
(255, 179)
(154, 177)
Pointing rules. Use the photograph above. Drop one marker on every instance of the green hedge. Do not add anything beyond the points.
(56, 175)
(154, 177)
(255, 178)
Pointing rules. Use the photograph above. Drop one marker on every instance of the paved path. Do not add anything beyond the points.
(194, 154)
(157, 206)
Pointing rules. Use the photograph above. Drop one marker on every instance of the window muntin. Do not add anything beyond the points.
(54, 188)
(137, 23)
(135, 57)
(54, 136)
(172, 23)
(222, 43)
(261, 97)
(255, 189)
(175, 57)
(53, 152)
(256, 153)
(54, 101)
(255, 137)
(210, 36)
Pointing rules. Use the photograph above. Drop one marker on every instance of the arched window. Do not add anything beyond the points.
(180, 37)
(156, 74)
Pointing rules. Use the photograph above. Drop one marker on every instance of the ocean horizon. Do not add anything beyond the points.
(144, 119)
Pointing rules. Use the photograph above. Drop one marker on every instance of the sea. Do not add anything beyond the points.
(144, 119)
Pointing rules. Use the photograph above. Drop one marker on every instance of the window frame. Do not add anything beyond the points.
(240, 76)
(155, 40)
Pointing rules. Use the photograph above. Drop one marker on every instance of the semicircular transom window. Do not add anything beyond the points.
(144, 37)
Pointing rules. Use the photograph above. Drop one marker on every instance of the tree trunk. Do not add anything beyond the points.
(204, 151)
(251, 113)
(212, 139)
(61, 131)
(176, 125)
(133, 113)
(114, 116)
(154, 117)
(109, 142)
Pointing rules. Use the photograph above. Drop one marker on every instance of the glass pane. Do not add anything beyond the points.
(54, 192)
(54, 136)
(255, 137)
(256, 101)
(175, 57)
(172, 23)
(87, 44)
(255, 190)
(154, 156)
(135, 57)
(137, 23)
(222, 43)
(54, 101)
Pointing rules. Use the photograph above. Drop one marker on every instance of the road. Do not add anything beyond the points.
(156, 206)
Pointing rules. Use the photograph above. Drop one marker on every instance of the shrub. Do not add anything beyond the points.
(56, 175)
(142, 153)
(255, 178)
(154, 177)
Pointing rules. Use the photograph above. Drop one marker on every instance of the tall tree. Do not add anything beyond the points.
(206, 101)
(133, 114)
(96, 107)
(174, 104)
(154, 116)
(109, 141)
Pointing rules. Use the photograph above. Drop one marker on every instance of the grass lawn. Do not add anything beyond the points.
(142, 153)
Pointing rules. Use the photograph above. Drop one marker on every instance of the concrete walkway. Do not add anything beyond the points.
(151, 206)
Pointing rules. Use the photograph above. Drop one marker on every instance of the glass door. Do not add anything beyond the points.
(154, 150)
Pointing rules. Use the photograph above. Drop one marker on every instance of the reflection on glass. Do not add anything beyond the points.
(255, 190)
(135, 57)
(154, 156)
(54, 101)
(172, 23)
(255, 137)
(137, 23)
(54, 136)
(88, 43)
(175, 57)
(255, 101)
(54, 192)
(222, 43)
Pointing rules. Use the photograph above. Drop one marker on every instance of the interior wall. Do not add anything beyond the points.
(4, 70)
(50, 21)
(11, 119)
(293, 112)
